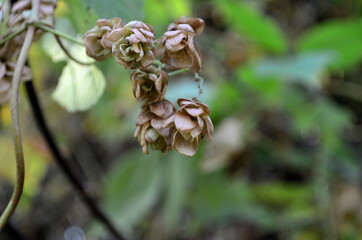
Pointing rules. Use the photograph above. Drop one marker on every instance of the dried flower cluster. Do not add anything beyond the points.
(18, 17)
(159, 124)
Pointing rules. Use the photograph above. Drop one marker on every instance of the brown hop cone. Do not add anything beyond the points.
(20, 13)
(96, 40)
(6, 76)
(191, 122)
(150, 129)
(133, 45)
(149, 83)
(176, 47)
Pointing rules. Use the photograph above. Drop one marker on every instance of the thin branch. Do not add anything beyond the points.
(61, 45)
(159, 64)
(61, 161)
(179, 71)
(55, 32)
(11, 36)
(10, 208)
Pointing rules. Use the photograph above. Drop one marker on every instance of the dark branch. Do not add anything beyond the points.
(74, 180)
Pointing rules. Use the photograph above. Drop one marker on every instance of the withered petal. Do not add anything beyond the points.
(183, 146)
(183, 122)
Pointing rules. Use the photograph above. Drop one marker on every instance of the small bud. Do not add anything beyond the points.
(149, 83)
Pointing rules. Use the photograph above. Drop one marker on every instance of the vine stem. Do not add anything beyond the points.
(182, 70)
(11, 36)
(57, 33)
(20, 172)
(61, 161)
(65, 50)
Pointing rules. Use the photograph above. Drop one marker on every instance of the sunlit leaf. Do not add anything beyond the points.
(79, 87)
(250, 23)
(343, 37)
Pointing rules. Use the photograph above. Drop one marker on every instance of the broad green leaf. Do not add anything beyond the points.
(126, 10)
(79, 87)
(217, 198)
(81, 16)
(178, 176)
(268, 88)
(343, 37)
(133, 188)
(305, 68)
(250, 23)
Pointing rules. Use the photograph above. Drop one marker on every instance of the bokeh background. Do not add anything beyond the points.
(283, 82)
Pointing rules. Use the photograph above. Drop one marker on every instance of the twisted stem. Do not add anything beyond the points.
(10, 208)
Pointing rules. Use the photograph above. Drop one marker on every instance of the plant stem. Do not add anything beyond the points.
(183, 70)
(11, 36)
(55, 32)
(61, 161)
(10, 208)
(68, 53)
(159, 63)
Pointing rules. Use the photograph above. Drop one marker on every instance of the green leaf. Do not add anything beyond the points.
(343, 37)
(217, 199)
(248, 22)
(133, 187)
(161, 13)
(178, 177)
(305, 68)
(81, 16)
(79, 87)
(126, 10)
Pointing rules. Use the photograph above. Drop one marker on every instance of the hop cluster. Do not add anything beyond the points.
(9, 52)
(20, 14)
(159, 125)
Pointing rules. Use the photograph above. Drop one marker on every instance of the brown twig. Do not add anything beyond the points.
(61, 161)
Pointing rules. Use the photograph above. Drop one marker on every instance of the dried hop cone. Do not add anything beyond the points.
(6, 76)
(20, 13)
(191, 122)
(176, 47)
(149, 84)
(133, 45)
(96, 40)
(150, 129)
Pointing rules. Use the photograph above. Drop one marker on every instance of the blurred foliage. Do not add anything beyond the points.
(285, 159)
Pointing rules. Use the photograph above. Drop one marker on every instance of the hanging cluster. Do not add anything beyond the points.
(9, 52)
(159, 124)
